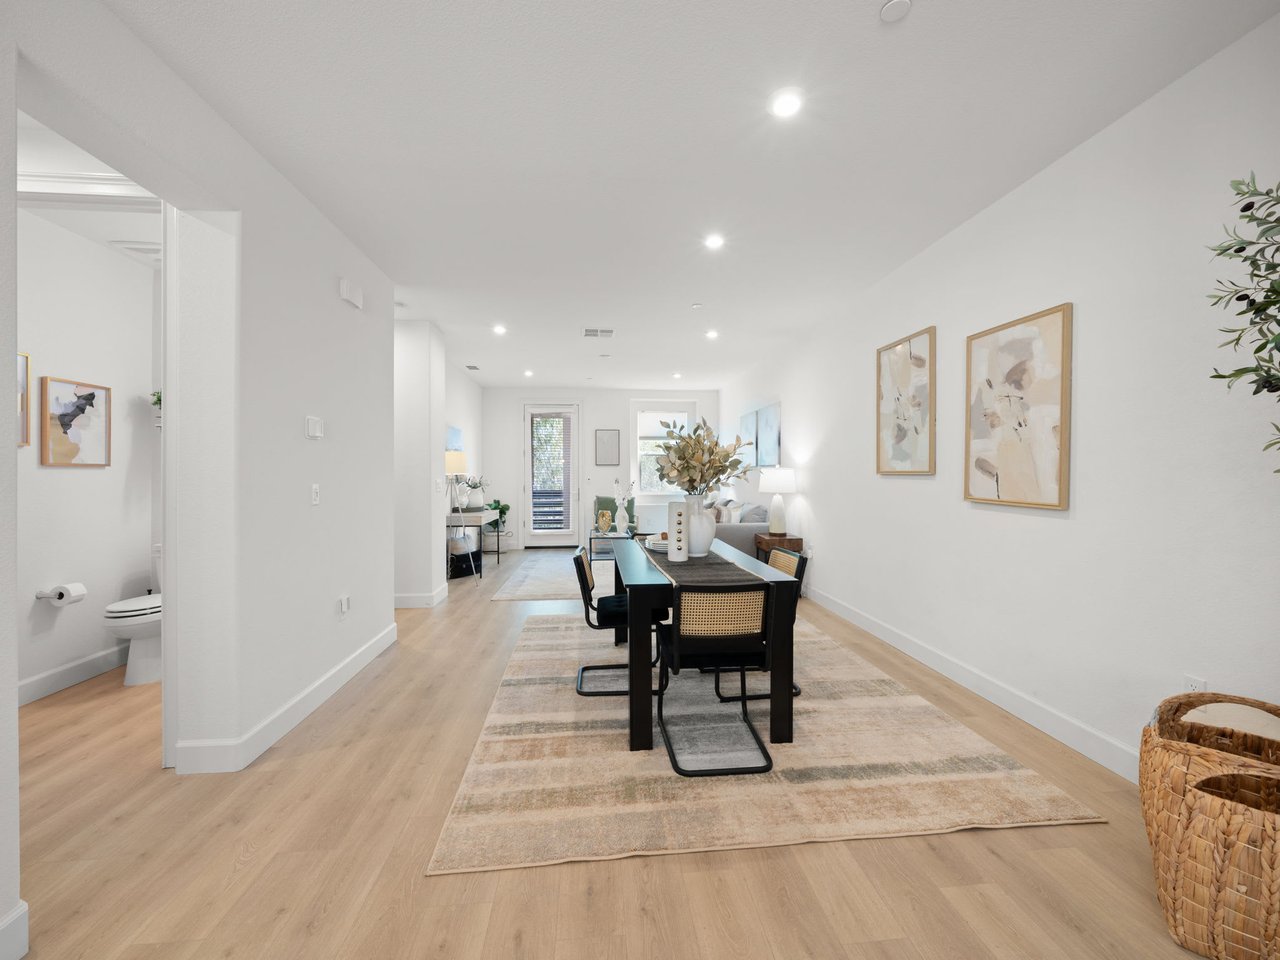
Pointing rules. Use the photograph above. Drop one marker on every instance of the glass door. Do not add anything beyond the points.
(551, 482)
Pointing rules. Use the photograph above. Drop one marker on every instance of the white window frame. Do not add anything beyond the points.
(686, 405)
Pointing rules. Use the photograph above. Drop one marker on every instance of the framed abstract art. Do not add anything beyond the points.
(75, 423)
(747, 431)
(769, 435)
(1017, 441)
(906, 405)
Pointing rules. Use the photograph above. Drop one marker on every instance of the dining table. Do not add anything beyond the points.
(647, 587)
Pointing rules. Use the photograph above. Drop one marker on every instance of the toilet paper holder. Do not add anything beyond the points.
(63, 594)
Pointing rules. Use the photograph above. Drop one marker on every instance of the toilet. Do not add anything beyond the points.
(137, 620)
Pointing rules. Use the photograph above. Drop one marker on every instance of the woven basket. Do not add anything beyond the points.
(1176, 754)
(1225, 878)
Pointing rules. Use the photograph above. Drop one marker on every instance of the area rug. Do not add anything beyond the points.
(551, 778)
(548, 575)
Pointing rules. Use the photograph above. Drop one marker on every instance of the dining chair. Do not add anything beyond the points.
(610, 613)
(793, 564)
(721, 627)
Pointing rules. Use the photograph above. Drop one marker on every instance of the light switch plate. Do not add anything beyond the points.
(315, 494)
(315, 428)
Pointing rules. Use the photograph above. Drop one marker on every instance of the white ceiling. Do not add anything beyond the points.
(553, 165)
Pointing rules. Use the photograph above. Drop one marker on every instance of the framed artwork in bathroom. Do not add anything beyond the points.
(75, 423)
(24, 400)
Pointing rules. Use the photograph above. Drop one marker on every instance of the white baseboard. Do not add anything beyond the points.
(1113, 754)
(69, 674)
(419, 600)
(13, 933)
(229, 755)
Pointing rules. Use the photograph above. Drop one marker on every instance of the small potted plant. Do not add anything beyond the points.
(464, 488)
(155, 404)
(495, 528)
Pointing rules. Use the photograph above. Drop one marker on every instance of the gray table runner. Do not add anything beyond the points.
(712, 570)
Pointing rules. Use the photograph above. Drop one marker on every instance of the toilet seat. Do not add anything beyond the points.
(134, 608)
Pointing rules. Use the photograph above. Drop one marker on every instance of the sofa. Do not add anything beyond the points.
(738, 527)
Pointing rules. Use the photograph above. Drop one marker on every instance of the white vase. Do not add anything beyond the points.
(702, 528)
(620, 519)
(464, 496)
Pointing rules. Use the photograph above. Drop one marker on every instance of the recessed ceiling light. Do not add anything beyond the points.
(695, 306)
(675, 376)
(528, 373)
(713, 241)
(895, 10)
(712, 334)
(786, 103)
(499, 329)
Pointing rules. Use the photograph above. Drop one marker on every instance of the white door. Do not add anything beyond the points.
(551, 475)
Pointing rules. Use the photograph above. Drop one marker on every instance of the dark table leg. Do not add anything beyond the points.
(619, 633)
(782, 667)
(640, 604)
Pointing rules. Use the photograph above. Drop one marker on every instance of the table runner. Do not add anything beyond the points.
(712, 570)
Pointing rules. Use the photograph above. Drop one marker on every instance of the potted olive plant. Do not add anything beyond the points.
(1256, 300)
(697, 462)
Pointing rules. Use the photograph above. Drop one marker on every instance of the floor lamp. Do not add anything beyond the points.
(777, 480)
(455, 466)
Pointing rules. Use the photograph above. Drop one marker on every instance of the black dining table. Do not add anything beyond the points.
(647, 588)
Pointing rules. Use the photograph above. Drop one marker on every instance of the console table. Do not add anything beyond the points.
(460, 520)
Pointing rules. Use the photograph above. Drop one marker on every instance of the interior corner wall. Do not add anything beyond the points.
(13, 911)
(87, 525)
(299, 350)
(421, 499)
(1165, 564)
(599, 409)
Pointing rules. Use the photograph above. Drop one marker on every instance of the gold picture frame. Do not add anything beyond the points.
(82, 430)
(903, 369)
(1017, 438)
(24, 400)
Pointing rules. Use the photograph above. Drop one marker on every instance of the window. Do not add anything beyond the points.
(650, 436)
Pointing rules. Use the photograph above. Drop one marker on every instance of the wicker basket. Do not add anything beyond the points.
(1176, 755)
(1225, 878)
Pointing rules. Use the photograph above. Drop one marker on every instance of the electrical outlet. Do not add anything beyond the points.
(315, 494)
(344, 606)
(1195, 684)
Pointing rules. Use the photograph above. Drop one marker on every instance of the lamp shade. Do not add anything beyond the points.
(455, 462)
(778, 480)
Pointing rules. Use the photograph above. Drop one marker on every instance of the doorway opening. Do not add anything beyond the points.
(551, 475)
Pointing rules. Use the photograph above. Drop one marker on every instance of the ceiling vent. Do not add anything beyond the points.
(472, 366)
(597, 333)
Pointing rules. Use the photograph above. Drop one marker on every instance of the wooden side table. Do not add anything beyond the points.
(768, 541)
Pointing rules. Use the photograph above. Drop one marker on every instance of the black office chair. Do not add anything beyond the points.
(721, 627)
(611, 613)
(792, 564)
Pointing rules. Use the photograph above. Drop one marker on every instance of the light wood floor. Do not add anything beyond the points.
(318, 849)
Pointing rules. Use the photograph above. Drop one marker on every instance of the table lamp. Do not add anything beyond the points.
(455, 463)
(777, 480)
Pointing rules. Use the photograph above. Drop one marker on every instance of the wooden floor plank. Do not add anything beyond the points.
(319, 849)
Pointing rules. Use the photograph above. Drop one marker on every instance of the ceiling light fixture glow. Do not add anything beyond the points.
(713, 241)
(499, 329)
(675, 376)
(528, 373)
(786, 103)
(713, 334)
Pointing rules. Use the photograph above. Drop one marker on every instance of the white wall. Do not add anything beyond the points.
(85, 312)
(420, 495)
(1166, 562)
(463, 404)
(600, 408)
(276, 646)
(13, 911)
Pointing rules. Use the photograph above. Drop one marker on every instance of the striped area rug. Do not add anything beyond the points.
(551, 778)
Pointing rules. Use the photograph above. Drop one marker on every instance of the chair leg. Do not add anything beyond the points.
(663, 680)
(578, 687)
(795, 689)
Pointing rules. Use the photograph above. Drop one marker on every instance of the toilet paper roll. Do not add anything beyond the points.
(65, 593)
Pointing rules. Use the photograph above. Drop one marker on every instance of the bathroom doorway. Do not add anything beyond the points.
(90, 459)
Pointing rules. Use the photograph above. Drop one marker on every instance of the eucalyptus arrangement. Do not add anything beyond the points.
(696, 461)
(1257, 299)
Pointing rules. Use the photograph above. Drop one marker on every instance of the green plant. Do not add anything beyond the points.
(501, 522)
(1257, 299)
(473, 483)
(155, 399)
(696, 461)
